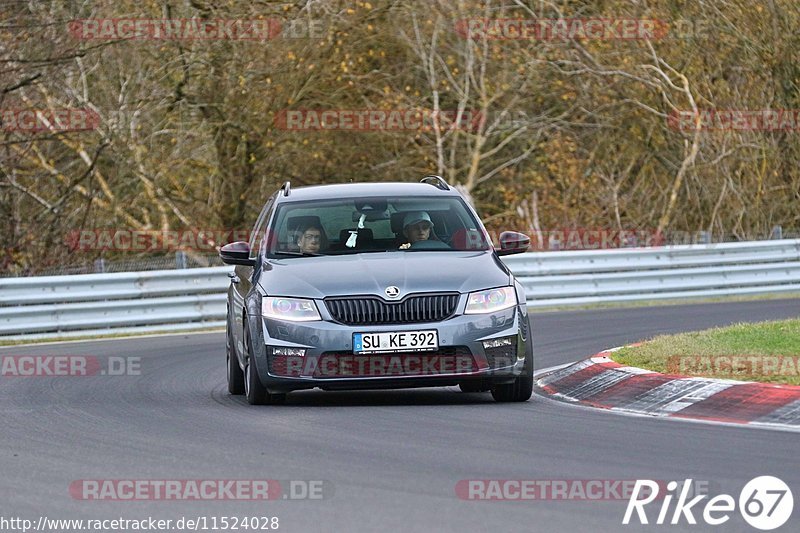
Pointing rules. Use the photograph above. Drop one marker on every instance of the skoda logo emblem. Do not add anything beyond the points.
(392, 291)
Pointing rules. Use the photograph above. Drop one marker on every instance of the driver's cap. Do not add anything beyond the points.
(416, 216)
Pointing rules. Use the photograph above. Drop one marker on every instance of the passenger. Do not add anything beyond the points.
(417, 226)
(311, 238)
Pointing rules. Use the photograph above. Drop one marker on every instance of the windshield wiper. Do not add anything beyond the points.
(297, 254)
(354, 251)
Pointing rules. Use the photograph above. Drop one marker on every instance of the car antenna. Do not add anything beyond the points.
(436, 181)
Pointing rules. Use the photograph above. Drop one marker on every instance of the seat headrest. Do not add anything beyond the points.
(396, 221)
(293, 223)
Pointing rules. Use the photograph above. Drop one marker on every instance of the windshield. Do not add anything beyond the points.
(380, 224)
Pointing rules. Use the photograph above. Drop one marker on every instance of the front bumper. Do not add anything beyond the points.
(328, 346)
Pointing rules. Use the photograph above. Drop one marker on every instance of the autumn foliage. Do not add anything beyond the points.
(570, 126)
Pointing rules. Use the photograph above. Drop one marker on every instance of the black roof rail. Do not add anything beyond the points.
(286, 188)
(436, 181)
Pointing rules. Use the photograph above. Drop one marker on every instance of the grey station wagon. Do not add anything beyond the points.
(375, 286)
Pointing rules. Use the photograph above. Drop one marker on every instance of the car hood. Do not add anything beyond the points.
(371, 273)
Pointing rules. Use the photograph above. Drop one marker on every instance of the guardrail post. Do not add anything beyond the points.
(628, 240)
(777, 233)
(180, 259)
(703, 237)
(100, 265)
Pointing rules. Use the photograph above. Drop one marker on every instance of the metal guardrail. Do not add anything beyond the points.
(640, 274)
(172, 300)
(92, 304)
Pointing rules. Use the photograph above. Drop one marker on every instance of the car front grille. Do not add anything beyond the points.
(371, 310)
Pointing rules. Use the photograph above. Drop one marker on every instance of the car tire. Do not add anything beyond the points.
(254, 390)
(235, 373)
(522, 387)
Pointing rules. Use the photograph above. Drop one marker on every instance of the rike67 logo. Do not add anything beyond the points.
(765, 503)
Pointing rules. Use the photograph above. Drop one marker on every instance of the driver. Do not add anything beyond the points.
(311, 238)
(417, 226)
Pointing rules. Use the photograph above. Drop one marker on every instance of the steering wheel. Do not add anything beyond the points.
(429, 245)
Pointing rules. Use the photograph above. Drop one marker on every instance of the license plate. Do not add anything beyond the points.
(398, 341)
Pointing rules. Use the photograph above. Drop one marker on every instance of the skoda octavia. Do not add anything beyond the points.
(375, 285)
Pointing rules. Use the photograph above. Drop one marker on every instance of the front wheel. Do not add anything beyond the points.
(522, 387)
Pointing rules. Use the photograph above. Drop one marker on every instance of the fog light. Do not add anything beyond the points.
(289, 352)
(497, 343)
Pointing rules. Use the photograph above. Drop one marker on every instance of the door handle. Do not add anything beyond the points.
(234, 277)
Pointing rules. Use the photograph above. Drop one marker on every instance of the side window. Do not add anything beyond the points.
(257, 238)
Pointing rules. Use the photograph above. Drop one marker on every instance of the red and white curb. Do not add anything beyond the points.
(601, 382)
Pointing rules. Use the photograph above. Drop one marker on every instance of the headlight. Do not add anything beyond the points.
(491, 301)
(293, 309)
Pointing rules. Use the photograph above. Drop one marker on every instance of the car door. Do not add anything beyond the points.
(242, 280)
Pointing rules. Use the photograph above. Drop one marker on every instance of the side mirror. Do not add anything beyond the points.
(512, 242)
(236, 253)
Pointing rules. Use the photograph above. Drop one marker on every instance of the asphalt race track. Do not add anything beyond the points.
(390, 459)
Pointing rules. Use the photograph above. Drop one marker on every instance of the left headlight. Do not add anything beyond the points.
(293, 309)
(490, 301)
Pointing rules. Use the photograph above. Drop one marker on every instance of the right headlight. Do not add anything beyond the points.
(292, 309)
(491, 300)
